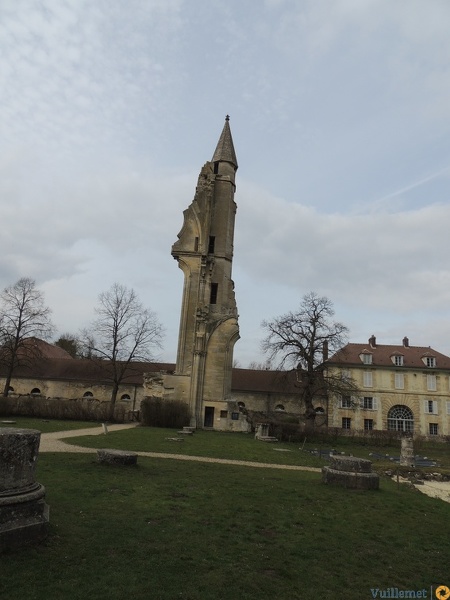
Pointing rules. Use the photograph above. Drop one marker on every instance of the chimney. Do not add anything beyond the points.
(373, 341)
(325, 351)
(406, 342)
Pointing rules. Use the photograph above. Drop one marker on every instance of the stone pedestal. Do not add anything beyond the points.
(407, 452)
(23, 511)
(350, 472)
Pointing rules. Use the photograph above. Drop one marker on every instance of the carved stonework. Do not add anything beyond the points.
(23, 511)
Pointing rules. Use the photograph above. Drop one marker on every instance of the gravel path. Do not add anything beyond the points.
(54, 442)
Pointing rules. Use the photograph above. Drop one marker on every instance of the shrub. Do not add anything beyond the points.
(78, 409)
(156, 412)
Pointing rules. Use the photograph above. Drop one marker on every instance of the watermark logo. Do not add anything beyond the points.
(439, 592)
(442, 592)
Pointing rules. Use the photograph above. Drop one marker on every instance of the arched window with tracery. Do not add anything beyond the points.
(400, 418)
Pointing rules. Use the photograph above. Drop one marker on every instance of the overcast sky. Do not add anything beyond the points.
(340, 115)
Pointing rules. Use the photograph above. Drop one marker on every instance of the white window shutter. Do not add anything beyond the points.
(448, 407)
(431, 383)
(375, 404)
(368, 379)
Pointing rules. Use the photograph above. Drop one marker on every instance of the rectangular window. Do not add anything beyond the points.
(431, 407)
(433, 428)
(368, 381)
(431, 383)
(398, 361)
(346, 423)
(235, 416)
(367, 359)
(431, 361)
(224, 414)
(399, 381)
(196, 245)
(346, 402)
(212, 244)
(368, 424)
(367, 403)
(213, 297)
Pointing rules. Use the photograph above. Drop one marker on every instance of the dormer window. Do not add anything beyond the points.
(429, 361)
(397, 359)
(366, 358)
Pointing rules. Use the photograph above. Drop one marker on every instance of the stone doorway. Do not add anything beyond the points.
(209, 416)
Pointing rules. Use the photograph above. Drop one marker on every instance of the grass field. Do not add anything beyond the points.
(241, 446)
(45, 425)
(168, 529)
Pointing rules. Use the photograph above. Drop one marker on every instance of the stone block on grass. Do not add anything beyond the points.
(106, 456)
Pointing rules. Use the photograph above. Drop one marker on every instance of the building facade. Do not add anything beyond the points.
(403, 388)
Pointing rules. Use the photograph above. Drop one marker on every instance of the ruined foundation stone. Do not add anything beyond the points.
(116, 457)
(351, 472)
(24, 515)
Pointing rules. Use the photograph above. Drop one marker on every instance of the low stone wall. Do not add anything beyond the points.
(351, 472)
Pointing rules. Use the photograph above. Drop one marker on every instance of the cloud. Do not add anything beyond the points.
(383, 260)
(341, 122)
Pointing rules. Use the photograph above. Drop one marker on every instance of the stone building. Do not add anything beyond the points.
(404, 388)
(209, 318)
(263, 392)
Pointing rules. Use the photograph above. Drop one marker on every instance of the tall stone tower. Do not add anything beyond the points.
(209, 319)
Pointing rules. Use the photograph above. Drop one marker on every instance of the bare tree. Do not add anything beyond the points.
(301, 341)
(23, 315)
(123, 332)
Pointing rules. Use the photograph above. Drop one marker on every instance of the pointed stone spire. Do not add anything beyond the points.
(225, 148)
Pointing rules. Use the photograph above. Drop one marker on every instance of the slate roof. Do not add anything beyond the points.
(249, 380)
(382, 356)
(225, 147)
(37, 346)
(88, 371)
(84, 370)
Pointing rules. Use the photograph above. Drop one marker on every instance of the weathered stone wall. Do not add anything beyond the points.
(73, 389)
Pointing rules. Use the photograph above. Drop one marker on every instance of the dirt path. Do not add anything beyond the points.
(435, 489)
(53, 442)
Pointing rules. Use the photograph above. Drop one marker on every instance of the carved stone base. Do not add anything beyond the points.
(352, 473)
(23, 511)
(116, 457)
(24, 519)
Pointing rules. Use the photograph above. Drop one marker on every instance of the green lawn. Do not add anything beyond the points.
(242, 446)
(45, 425)
(236, 446)
(171, 529)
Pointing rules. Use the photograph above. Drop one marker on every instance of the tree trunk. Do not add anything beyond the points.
(310, 413)
(112, 402)
(8, 381)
